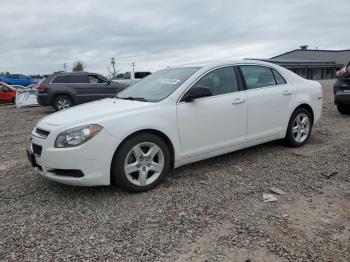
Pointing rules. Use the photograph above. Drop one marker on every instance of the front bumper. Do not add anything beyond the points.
(85, 165)
(342, 98)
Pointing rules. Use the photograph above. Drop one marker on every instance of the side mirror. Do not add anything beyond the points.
(197, 92)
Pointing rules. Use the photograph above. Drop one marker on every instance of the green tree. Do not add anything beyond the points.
(120, 76)
(78, 66)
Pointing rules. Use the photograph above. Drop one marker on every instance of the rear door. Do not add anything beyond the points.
(269, 100)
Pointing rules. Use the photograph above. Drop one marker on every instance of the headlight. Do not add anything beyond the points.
(77, 136)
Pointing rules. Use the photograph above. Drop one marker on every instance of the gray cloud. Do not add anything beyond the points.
(39, 36)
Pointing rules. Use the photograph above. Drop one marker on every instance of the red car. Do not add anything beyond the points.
(7, 93)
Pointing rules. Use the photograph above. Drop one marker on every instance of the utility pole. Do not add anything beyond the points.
(65, 67)
(132, 77)
(113, 64)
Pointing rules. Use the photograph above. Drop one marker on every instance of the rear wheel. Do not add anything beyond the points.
(62, 102)
(141, 163)
(345, 110)
(299, 128)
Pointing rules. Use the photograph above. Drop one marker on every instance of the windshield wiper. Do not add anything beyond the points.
(133, 98)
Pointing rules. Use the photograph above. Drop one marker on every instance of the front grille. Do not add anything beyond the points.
(37, 149)
(42, 133)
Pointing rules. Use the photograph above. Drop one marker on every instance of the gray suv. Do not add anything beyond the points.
(63, 90)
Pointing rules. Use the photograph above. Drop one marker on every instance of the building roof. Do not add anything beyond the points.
(340, 57)
(300, 63)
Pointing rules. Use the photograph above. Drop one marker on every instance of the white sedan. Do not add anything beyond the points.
(174, 117)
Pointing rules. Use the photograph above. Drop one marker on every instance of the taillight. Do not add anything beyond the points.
(42, 87)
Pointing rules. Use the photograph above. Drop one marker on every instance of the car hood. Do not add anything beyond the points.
(94, 111)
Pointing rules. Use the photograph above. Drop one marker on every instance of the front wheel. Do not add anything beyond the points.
(299, 128)
(141, 163)
(344, 110)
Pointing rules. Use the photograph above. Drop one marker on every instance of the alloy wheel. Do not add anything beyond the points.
(63, 104)
(301, 128)
(144, 164)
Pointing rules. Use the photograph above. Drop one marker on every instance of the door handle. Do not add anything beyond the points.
(238, 101)
(287, 92)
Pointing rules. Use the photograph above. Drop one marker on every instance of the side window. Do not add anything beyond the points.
(220, 81)
(94, 79)
(60, 80)
(257, 76)
(279, 79)
(78, 79)
(139, 75)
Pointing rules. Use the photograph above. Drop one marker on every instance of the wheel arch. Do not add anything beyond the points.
(308, 108)
(156, 132)
(54, 96)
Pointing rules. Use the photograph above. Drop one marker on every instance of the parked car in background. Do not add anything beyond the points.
(16, 79)
(132, 77)
(342, 90)
(63, 90)
(7, 93)
(18, 86)
(174, 117)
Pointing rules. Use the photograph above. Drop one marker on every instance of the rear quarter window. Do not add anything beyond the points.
(60, 80)
(279, 79)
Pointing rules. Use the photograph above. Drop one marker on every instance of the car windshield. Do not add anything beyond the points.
(158, 85)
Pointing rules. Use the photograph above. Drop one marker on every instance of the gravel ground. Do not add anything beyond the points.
(208, 211)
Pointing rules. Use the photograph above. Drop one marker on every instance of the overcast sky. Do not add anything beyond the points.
(38, 36)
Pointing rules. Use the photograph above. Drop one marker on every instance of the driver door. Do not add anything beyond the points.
(215, 122)
(5, 94)
(100, 88)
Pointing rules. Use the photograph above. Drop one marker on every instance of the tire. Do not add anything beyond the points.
(62, 102)
(147, 167)
(14, 100)
(344, 110)
(299, 128)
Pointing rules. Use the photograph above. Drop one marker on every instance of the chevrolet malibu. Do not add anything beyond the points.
(174, 117)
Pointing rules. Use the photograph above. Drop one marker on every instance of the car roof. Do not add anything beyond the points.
(7, 85)
(73, 73)
(223, 62)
